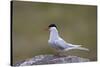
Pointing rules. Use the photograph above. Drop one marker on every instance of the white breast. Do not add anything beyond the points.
(51, 42)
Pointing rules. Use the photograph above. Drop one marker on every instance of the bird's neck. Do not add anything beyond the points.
(53, 33)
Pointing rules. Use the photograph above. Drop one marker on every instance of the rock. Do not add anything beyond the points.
(51, 59)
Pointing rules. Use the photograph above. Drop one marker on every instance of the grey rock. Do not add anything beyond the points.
(51, 59)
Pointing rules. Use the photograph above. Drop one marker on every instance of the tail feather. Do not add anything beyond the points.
(79, 48)
(82, 48)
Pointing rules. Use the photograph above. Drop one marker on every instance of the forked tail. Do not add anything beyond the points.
(82, 48)
(79, 48)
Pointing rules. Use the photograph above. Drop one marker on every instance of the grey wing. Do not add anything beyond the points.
(61, 44)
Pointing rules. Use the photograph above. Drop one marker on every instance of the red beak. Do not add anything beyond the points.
(46, 29)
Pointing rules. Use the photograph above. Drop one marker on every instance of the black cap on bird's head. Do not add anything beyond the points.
(52, 25)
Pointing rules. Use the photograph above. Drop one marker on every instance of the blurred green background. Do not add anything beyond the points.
(77, 24)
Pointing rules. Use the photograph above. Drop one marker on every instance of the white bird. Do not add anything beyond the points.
(58, 43)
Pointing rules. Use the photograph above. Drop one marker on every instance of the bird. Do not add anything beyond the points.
(60, 44)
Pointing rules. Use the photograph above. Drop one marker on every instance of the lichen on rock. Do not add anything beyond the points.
(51, 59)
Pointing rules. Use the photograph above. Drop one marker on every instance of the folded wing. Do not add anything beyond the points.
(61, 44)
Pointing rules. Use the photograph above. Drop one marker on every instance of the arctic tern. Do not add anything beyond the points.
(58, 43)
